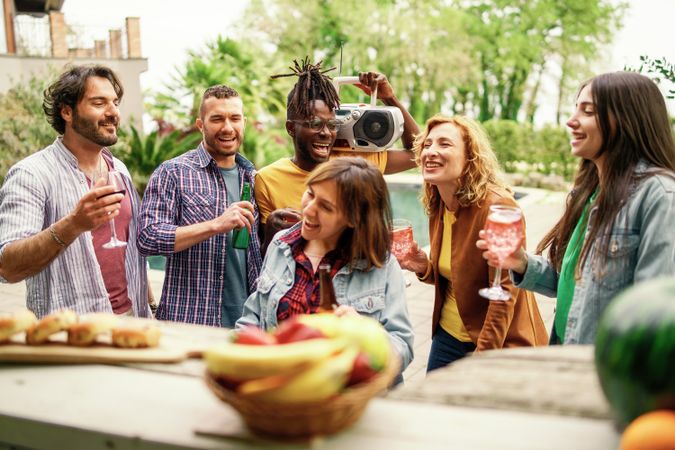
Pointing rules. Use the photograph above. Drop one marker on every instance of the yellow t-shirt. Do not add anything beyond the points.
(450, 321)
(379, 159)
(282, 183)
(279, 185)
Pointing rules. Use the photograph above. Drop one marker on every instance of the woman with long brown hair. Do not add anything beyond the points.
(346, 218)
(617, 228)
(461, 182)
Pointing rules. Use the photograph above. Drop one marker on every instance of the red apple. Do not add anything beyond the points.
(361, 370)
(292, 331)
(251, 335)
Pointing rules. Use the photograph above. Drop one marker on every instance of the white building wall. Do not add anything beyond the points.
(3, 36)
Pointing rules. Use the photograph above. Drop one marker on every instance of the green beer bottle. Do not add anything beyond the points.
(241, 237)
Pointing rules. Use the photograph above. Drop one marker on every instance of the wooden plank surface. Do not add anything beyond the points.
(558, 380)
(101, 407)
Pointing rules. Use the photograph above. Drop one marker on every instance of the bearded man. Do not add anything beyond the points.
(55, 206)
(190, 209)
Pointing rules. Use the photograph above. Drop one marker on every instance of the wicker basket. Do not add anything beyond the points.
(304, 420)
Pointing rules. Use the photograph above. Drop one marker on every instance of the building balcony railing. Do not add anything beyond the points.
(50, 36)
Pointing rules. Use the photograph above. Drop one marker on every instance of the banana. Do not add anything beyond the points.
(246, 362)
(368, 334)
(320, 382)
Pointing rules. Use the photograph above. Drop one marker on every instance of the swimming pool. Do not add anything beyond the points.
(405, 204)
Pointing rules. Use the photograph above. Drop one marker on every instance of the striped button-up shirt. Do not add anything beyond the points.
(37, 192)
(184, 191)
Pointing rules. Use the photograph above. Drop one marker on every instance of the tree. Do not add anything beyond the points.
(420, 45)
(662, 69)
(23, 126)
(229, 62)
(516, 39)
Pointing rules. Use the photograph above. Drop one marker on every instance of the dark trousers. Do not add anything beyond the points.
(446, 349)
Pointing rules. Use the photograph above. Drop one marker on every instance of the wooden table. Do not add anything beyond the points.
(153, 406)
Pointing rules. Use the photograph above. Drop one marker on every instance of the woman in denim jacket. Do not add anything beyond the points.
(617, 228)
(346, 222)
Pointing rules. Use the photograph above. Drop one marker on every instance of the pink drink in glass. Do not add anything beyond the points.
(504, 231)
(401, 238)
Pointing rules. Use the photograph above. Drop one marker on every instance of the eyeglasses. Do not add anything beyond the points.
(317, 124)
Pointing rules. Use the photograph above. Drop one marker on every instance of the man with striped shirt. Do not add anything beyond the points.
(55, 207)
(190, 209)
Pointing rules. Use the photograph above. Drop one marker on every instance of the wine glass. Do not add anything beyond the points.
(115, 179)
(504, 232)
(401, 240)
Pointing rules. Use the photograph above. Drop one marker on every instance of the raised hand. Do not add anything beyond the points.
(516, 261)
(96, 207)
(368, 81)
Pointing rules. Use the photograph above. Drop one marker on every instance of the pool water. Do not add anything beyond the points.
(405, 204)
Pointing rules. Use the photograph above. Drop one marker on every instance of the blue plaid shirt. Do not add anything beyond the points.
(184, 191)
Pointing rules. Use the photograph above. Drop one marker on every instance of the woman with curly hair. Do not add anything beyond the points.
(461, 182)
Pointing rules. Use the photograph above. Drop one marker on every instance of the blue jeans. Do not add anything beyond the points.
(446, 349)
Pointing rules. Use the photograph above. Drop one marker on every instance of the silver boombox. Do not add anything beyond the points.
(366, 128)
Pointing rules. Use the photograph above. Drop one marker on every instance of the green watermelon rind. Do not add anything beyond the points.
(635, 350)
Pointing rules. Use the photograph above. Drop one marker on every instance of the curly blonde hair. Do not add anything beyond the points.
(480, 172)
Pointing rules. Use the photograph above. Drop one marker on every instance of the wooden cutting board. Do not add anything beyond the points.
(57, 351)
(177, 343)
(99, 353)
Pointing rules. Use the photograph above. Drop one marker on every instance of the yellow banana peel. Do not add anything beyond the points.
(246, 362)
(320, 382)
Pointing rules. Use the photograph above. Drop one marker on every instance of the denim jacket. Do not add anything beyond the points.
(378, 293)
(641, 247)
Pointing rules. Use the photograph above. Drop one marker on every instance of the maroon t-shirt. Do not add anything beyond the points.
(112, 260)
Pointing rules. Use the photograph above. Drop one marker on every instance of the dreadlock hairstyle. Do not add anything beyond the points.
(312, 85)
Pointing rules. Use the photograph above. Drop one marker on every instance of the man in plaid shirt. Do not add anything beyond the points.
(190, 209)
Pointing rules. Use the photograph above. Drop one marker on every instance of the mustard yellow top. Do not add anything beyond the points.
(450, 319)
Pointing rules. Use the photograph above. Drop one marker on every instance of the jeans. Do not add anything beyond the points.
(446, 349)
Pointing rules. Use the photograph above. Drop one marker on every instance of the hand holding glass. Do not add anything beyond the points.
(116, 180)
(504, 233)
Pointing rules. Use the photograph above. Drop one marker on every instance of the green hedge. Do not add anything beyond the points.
(23, 126)
(522, 148)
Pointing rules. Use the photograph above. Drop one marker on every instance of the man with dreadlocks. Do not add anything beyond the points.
(312, 125)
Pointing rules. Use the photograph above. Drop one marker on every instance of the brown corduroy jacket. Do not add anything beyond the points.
(491, 324)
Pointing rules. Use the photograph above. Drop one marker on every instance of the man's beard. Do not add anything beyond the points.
(90, 130)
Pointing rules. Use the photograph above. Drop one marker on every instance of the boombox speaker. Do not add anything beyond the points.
(365, 127)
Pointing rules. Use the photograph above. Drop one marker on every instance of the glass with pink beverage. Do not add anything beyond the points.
(401, 237)
(504, 233)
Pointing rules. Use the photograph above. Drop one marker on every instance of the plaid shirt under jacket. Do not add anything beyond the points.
(184, 191)
(304, 296)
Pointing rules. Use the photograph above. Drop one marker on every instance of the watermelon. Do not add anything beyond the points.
(635, 349)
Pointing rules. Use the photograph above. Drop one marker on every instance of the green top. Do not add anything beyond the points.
(567, 281)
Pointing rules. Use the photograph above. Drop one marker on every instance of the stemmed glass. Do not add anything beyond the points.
(401, 240)
(115, 179)
(504, 232)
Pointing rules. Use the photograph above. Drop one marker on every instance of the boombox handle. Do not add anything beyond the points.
(339, 81)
